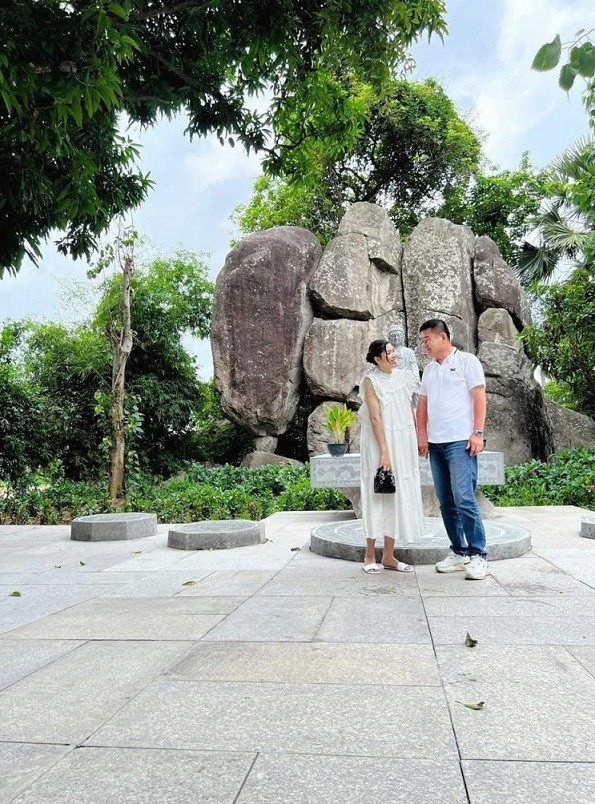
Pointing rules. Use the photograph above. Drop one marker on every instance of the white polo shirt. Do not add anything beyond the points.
(447, 386)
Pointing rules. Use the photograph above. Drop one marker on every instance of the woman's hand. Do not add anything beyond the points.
(385, 460)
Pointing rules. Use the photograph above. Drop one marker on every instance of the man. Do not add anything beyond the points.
(450, 419)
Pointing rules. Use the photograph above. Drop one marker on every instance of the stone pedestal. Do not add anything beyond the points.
(112, 527)
(345, 540)
(588, 527)
(218, 534)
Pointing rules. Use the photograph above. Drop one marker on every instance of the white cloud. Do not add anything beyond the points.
(509, 98)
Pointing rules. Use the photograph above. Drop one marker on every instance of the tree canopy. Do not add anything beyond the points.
(69, 67)
(413, 151)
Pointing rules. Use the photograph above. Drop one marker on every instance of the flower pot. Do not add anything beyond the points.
(336, 450)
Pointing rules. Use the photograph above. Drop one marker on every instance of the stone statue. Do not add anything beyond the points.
(406, 360)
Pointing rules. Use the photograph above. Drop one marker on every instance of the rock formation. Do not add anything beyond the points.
(260, 318)
(290, 324)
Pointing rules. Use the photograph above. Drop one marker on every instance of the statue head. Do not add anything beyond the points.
(396, 335)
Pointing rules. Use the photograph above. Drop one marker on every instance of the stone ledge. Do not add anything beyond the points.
(217, 534)
(113, 527)
(344, 472)
(588, 527)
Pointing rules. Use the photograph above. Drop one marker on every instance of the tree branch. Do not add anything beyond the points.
(162, 10)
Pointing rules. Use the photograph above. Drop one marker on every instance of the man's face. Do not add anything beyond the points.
(432, 342)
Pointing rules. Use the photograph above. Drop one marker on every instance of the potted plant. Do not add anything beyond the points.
(338, 419)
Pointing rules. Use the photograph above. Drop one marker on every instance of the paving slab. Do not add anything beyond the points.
(346, 582)
(19, 658)
(276, 779)
(36, 602)
(157, 584)
(71, 577)
(533, 576)
(291, 718)
(128, 776)
(522, 720)
(318, 663)
(529, 782)
(585, 655)
(538, 667)
(134, 619)
(230, 582)
(67, 700)
(22, 763)
(273, 619)
(453, 584)
(562, 620)
(385, 619)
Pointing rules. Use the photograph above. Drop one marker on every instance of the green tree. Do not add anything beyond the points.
(500, 204)
(171, 298)
(580, 61)
(69, 67)
(413, 151)
(24, 443)
(564, 343)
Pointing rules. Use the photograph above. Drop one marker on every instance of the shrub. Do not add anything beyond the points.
(223, 492)
(567, 479)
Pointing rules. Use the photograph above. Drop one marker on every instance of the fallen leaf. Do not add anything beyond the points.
(469, 641)
(476, 707)
(82, 563)
(14, 594)
(57, 566)
(189, 583)
(295, 549)
(136, 552)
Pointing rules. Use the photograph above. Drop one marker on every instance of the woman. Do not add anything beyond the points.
(388, 439)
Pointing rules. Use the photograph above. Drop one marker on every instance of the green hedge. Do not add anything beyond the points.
(225, 492)
(567, 479)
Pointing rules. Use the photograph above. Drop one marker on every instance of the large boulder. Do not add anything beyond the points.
(570, 429)
(261, 314)
(437, 281)
(517, 422)
(335, 353)
(258, 458)
(382, 239)
(348, 284)
(496, 326)
(495, 283)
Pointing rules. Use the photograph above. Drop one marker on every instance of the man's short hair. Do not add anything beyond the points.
(437, 325)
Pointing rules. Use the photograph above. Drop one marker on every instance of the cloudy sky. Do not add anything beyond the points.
(484, 65)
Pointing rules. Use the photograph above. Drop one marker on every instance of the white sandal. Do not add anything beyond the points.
(401, 567)
(372, 569)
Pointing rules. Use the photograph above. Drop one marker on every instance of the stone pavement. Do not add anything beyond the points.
(132, 672)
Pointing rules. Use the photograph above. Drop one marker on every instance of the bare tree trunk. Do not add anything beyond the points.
(121, 343)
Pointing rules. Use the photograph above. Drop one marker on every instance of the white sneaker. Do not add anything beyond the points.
(477, 570)
(452, 563)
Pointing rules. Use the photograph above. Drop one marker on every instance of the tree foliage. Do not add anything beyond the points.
(501, 204)
(564, 343)
(580, 61)
(68, 67)
(413, 152)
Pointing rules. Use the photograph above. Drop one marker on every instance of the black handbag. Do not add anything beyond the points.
(384, 482)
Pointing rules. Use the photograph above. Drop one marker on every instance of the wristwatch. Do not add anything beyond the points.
(477, 433)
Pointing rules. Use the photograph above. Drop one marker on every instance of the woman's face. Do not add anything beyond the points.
(388, 358)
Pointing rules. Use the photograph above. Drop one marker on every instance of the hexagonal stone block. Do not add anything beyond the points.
(113, 527)
(217, 534)
(588, 527)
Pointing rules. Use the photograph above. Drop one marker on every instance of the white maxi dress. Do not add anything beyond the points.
(399, 516)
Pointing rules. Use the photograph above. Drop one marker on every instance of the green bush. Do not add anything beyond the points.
(567, 479)
(223, 492)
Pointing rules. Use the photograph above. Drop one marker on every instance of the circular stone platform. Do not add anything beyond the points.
(346, 540)
(112, 527)
(217, 534)
(588, 527)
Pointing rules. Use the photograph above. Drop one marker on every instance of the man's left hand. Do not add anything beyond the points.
(475, 444)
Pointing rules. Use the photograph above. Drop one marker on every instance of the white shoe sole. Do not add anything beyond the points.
(456, 568)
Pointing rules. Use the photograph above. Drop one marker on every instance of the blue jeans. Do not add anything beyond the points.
(455, 478)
